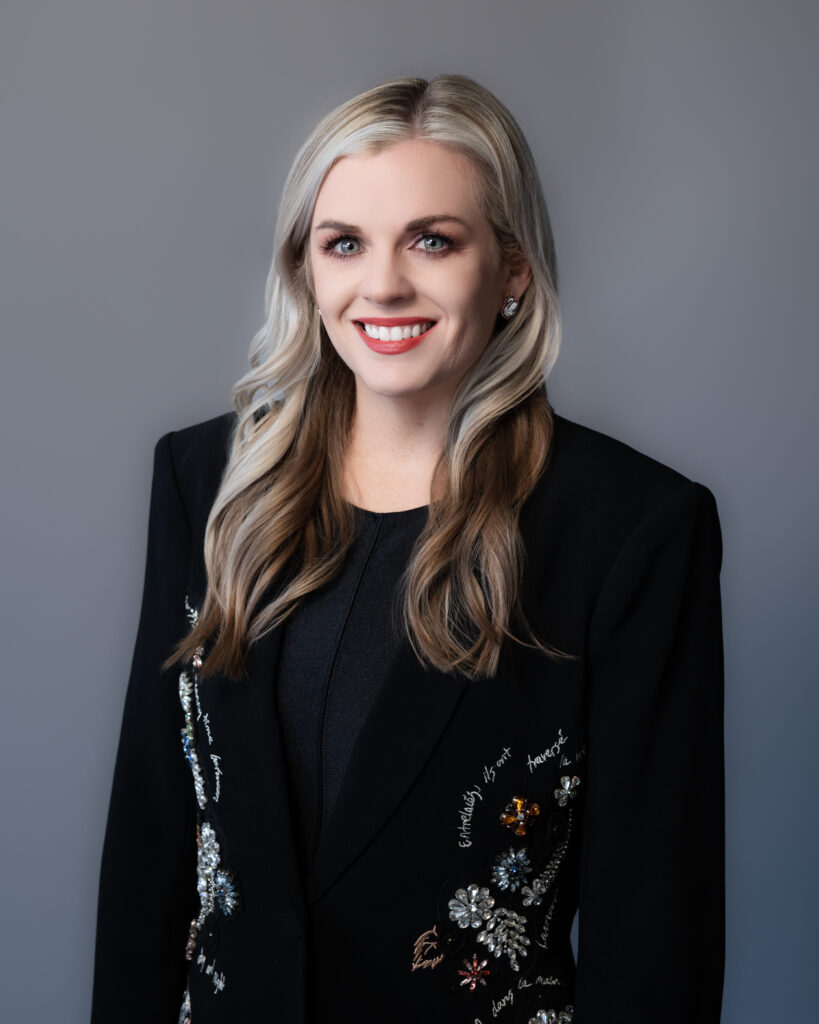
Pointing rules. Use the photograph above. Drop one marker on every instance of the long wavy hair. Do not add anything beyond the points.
(280, 525)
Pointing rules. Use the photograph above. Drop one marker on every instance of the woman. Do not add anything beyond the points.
(447, 666)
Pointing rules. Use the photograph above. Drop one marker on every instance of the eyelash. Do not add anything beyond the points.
(329, 247)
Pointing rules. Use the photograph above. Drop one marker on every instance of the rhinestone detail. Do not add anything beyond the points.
(533, 895)
(519, 814)
(567, 790)
(471, 906)
(563, 1016)
(505, 935)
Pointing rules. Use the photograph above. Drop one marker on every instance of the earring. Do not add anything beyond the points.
(510, 307)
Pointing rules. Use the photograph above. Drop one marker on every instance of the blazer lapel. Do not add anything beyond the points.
(255, 807)
(408, 718)
(275, 834)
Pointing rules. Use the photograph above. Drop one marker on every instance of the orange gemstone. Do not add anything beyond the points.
(518, 814)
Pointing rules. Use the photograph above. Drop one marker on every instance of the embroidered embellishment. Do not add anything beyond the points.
(474, 974)
(567, 790)
(188, 743)
(217, 886)
(190, 945)
(533, 895)
(518, 815)
(217, 978)
(563, 1016)
(510, 869)
(425, 950)
(505, 934)
(184, 1010)
(543, 941)
(471, 906)
(528, 875)
(226, 892)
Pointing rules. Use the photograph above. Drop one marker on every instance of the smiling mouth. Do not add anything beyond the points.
(399, 333)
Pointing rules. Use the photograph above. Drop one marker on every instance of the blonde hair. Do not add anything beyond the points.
(280, 525)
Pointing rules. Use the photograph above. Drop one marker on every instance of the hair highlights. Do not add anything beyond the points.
(280, 525)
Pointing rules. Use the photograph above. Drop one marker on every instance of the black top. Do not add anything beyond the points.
(336, 651)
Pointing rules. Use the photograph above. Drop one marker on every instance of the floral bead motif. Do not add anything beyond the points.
(471, 906)
(505, 935)
(563, 1016)
(511, 869)
(518, 815)
(225, 892)
(567, 790)
(475, 973)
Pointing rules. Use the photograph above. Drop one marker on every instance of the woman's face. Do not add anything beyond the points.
(400, 235)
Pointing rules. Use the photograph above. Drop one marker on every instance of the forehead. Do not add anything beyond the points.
(410, 179)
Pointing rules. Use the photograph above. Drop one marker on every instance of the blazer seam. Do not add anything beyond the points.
(177, 486)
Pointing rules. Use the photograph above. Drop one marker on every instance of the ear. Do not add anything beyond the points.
(519, 276)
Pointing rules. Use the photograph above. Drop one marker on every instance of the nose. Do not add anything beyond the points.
(384, 279)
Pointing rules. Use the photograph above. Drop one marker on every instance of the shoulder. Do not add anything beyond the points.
(198, 454)
(599, 490)
(606, 468)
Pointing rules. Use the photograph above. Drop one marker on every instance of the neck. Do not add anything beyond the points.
(393, 448)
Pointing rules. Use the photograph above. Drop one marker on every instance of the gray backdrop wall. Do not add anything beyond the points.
(144, 146)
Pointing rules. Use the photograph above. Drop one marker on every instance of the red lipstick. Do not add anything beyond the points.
(392, 347)
(396, 321)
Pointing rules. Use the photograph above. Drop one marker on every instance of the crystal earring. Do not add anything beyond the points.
(510, 307)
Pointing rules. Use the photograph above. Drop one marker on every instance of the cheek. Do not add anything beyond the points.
(326, 284)
(471, 295)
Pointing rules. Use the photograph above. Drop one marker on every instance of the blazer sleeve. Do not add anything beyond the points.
(651, 929)
(147, 889)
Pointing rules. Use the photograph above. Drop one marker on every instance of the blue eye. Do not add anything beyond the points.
(330, 249)
(346, 242)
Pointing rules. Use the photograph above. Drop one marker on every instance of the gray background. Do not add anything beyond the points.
(144, 146)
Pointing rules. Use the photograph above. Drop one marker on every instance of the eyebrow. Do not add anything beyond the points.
(414, 225)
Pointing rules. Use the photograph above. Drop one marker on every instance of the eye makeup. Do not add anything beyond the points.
(329, 247)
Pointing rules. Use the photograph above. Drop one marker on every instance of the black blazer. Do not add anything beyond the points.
(434, 896)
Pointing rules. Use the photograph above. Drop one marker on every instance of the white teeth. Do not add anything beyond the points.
(397, 333)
